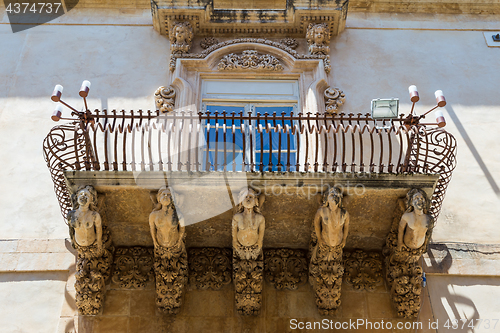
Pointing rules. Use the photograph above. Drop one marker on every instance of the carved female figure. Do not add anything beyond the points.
(248, 225)
(167, 229)
(331, 222)
(85, 223)
(415, 222)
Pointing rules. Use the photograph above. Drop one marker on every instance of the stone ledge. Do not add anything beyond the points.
(36, 255)
(426, 6)
(462, 259)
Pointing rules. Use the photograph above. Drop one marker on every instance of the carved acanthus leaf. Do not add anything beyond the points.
(133, 267)
(334, 98)
(210, 268)
(248, 278)
(165, 99)
(363, 270)
(250, 60)
(285, 268)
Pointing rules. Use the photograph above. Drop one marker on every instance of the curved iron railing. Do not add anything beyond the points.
(149, 141)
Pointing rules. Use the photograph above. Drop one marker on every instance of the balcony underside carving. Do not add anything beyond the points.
(285, 268)
(133, 267)
(210, 268)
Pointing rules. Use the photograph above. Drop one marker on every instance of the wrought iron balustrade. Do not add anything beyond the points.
(150, 141)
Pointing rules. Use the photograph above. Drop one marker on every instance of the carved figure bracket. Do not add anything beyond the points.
(403, 249)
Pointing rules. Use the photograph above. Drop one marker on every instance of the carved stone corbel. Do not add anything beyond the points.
(170, 257)
(331, 226)
(334, 98)
(165, 99)
(91, 238)
(248, 265)
(405, 244)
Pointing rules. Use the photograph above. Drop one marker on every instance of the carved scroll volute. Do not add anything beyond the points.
(165, 99)
(170, 257)
(330, 229)
(334, 98)
(405, 244)
(248, 265)
(92, 240)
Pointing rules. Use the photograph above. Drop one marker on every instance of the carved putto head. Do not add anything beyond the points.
(318, 37)
(181, 36)
(249, 196)
(85, 195)
(416, 198)
(334, 194)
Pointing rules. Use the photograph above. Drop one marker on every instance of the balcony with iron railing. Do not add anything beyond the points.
(188, 142)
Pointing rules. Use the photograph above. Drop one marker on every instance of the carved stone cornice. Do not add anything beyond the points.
(133, 267)
(210, 268)
(209, 20)
(249, 60)
(363, 270)
(334, 98)
(285, 268)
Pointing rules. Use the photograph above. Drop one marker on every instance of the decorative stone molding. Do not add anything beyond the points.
(403, 249)
(318, 38)
(334, 98)
(133, 267)
(289, 42)
(207, 19)
(170, 257)
(363, 270)
(91, 238)
(210, 268)
(285, 268)
(249, 60)
(248, 265)
(208, 41)
(263, 41)
(331, 226)
(165, 99)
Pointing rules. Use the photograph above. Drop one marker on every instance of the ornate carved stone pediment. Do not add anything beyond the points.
(208, 18)
(249, 60)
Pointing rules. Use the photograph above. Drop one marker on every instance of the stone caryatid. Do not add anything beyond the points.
(170, 257)
(248, 265)
(318, 38)
(405, 244)
(331, 226)
(90, 237)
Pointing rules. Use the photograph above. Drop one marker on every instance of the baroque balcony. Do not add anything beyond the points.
(137, 152)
